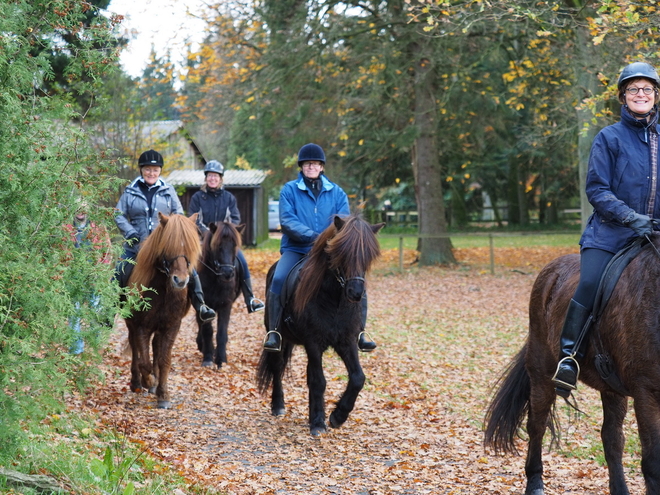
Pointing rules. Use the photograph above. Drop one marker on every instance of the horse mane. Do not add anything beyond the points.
(349, 249)
(224, 230)
(175, 235)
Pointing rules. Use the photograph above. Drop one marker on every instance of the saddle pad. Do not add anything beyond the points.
(290, 281)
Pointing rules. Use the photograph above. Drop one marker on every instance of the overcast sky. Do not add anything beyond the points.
(161, 23)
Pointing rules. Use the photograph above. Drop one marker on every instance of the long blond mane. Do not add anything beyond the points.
(174, 236)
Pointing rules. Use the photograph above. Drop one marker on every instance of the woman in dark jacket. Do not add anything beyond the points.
(307, 207)
(622, 186)
(137, 216)
(215, 204)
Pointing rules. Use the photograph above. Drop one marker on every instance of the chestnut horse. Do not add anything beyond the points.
(161, 274)
(220, 274)
(627, 333)
(324, 310)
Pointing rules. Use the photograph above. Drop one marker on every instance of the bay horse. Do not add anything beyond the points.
(627, 332)
(221, 275)
(324, 311)
(162, 270)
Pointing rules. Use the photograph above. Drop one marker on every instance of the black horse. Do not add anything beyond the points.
(220, 274)
(626, 333)
(324, 311)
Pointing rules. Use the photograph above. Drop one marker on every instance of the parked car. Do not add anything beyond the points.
(273, 215)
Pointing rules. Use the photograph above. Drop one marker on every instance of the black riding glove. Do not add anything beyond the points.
(133, 239)
(641, 224)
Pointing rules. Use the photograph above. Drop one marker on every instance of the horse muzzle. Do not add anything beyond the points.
(354, 289)
(179, 283)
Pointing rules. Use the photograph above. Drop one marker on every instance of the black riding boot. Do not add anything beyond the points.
(364, 344)
(273, 342)
(252, 303)
(197, 298)
(573, 346)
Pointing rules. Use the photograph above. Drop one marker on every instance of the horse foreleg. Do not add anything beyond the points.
(615, 408)
(356, 381)
(163, 365)
(205, 342)
(541, 399)
(316, 384)
(222, 336)
(647, 412)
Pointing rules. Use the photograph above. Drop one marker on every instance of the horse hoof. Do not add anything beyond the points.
(280, 411)
(164, 404)
(317, 431)
(207, 364)
(334, 423)
(152, 390)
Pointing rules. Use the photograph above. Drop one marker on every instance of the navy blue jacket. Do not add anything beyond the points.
(303, 217)
(620, 180)
(214, 205)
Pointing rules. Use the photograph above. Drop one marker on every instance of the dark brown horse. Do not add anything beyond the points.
(162, 271)
(220, 274)
(628, 331)
(325, 311)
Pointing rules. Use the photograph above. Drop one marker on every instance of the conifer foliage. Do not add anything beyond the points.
(46, 174)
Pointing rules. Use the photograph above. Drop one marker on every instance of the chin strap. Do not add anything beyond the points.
(640, 115)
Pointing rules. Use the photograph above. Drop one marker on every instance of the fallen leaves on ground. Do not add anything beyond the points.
(444, 335)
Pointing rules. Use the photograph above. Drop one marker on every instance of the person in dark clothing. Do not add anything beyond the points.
(137, 217)
(622, 186)
(215, 204)
(307, 207)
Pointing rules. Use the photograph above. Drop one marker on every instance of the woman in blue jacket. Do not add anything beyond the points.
(622, 186)
(307, 207)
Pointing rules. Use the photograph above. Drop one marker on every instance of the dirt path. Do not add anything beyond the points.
(444, 337)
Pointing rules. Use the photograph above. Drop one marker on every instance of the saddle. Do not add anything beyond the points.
(291, 281)
(613, 270)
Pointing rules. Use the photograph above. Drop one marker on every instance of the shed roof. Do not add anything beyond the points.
(235, 178)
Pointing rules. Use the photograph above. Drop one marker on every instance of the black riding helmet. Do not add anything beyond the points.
(214, 166)
(637, 70)
(150, 157)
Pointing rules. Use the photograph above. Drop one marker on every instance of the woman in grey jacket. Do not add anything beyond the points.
(137, 217)
(622, 186)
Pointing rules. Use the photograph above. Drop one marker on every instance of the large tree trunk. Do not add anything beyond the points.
(426, 163)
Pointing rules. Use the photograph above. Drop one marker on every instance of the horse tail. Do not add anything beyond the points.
(509, 406)
(273, 365)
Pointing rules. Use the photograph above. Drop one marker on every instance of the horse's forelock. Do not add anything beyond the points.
(175, 237)
(227, 231)
(354, 248)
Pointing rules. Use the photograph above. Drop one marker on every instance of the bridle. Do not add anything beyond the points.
(165, 264)
(344, 281)
(219, 266)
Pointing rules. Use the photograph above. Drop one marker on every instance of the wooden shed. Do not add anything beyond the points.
(246, 185)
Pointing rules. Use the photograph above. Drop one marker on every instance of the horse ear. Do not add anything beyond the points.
(213, 227)
(194, 217)
(240, 228)
(162, 218)
(339, 222)
(376, 227)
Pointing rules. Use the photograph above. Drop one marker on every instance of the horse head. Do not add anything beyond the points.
(221, 247)
(172, 249)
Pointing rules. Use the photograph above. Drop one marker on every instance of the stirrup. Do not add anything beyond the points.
(206, 313)
(278, 338)
(370, 341)
(255, 305)
(561, 383)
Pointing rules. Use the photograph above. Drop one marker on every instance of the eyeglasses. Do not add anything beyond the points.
(647, 90)
(312, 165)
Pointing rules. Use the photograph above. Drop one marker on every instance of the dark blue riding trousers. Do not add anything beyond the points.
(284, 266)
(244, 266)
(592, 265)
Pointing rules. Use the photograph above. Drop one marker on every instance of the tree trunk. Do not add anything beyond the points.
(426, 165)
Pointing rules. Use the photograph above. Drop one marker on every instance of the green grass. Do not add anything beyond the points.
(482, 239)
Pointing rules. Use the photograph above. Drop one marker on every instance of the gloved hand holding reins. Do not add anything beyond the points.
(641, 224)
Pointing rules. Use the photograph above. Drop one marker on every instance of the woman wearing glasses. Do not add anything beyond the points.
(622, 186)
(307, 207)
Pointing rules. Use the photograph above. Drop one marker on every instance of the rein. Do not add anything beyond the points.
(165, 264)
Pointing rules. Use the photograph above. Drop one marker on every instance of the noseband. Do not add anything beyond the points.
(218, 266)
(165, 264)
(344, 281)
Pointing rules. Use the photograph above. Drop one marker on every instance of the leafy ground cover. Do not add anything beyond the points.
(444, 334)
